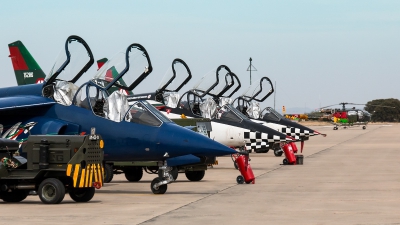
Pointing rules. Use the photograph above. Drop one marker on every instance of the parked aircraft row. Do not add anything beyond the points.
(138, 135)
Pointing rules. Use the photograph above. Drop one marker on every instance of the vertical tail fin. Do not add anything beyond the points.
(26, 69)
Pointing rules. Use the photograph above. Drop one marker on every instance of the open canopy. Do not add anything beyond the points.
(73, 62)
(125, 70)
(176, 77)
(215, 83)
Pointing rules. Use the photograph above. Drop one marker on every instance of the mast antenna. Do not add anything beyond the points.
(251, 68)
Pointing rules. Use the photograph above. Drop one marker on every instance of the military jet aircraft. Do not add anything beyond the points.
(136, 133)
(21, 58)
(248, 104)
(229, 126)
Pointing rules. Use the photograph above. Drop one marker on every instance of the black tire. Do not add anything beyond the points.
(240, 179)
(133, 174)
(14, 196)
(174, 172)
(278, 153)
(51, 191)
(82, 194)
(285, 162)
(195, 175)
(161, 189)
(364, 127)
(108, 173)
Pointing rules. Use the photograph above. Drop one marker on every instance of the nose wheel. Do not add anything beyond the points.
(158, 189)
(159, 184)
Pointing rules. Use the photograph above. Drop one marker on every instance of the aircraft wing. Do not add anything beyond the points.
(31, 102)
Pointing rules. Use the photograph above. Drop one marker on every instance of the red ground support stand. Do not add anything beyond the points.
(242, 162)
(290, 157)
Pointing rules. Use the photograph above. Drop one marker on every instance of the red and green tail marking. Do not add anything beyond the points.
(26, 69)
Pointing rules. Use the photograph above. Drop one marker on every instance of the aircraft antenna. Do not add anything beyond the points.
(251, 68)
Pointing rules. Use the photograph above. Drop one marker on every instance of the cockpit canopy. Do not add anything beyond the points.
(269, 114)
(125, 70)
(70, 65)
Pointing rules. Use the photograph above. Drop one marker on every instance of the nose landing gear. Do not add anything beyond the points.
(159, 184)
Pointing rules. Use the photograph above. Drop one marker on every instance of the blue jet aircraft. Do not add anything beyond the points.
(131, 133)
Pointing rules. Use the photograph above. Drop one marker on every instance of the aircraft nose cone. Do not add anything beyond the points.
(189, 142)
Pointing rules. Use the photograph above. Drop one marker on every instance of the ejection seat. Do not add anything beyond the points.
(64, 92)
(116, 106)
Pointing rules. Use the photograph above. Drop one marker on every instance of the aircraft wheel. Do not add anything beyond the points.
(108, 173)
(161, 189)
(364, 127)
(82, 194)
(134, 173)
(51, 191)
(174, 173)
(278, 153)
(240, 179)
(195, 175)
(14, 196)
(285, 162)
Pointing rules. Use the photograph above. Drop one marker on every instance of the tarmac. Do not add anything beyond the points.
(349, 177)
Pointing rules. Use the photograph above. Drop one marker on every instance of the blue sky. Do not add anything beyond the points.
(318, 52)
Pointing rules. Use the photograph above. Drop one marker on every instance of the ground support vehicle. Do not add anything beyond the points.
(54, 165)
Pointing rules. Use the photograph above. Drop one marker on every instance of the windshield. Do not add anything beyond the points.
(139, 114)
(228, 113)
(270, 114)
(215, 81)
(74, 60)
(156, 112)
(133, 65)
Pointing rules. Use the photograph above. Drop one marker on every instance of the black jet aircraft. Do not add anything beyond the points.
(248, 104)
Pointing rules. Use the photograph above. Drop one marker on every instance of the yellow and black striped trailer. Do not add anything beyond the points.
(55, 165)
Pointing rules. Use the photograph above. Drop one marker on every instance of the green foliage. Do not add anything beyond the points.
(381, 111)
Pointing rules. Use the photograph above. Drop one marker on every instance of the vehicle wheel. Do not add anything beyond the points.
(51, 191)
(174, 173)
(235, 165)
(364, 127)
(108, 173)
(278, 153)
(82, 194)
(195, 175)
(285, 162)
(14, 196)
(240, 179)
(161, 189)
(133, 174)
